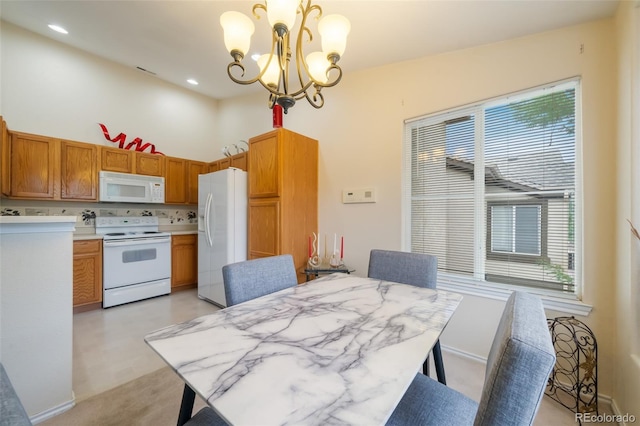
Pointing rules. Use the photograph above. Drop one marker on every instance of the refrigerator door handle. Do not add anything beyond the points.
(207, 217)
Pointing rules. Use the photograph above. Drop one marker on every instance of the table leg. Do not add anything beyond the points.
(186, 407)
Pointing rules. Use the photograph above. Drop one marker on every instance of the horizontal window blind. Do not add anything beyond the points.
(516, 225)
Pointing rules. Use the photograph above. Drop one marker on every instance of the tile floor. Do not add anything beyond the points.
(109, 349)
(108, 344)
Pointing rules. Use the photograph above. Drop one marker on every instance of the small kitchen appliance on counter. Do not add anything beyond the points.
(136, 259)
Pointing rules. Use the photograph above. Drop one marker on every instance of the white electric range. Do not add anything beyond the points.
(136, 259)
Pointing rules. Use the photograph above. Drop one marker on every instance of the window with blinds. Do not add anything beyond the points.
(492, 189)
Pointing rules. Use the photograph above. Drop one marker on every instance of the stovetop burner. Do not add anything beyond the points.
(114, 228)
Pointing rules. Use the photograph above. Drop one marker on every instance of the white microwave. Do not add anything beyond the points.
(128, 188)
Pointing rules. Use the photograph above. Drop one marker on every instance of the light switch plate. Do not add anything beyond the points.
(362, 195)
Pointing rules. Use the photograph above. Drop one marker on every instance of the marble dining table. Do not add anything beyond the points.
(338, 350)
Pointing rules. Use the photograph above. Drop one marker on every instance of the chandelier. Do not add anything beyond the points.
(315, 71)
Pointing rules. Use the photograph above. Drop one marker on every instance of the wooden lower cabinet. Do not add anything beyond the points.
(264, 228)
(184, 261)
(87, 275)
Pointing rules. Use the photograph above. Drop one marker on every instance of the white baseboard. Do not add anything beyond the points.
(619, 415)
(464, 354)
(54, 411)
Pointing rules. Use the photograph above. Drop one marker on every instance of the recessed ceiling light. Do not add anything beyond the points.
(192, 81)
(58, 29)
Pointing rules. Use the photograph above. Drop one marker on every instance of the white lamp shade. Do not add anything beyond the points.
(282, 12)
(317, 63)
(238, 29)
(334, 30)
(272, 74)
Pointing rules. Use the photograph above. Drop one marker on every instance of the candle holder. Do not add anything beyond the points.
(314, 255)
(316, 260)
(335, 261)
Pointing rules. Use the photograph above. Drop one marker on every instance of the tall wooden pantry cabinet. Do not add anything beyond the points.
(283, 195)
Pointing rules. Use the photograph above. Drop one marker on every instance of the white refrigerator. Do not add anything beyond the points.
(222, 229)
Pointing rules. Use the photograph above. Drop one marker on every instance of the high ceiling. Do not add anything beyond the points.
(183, 39)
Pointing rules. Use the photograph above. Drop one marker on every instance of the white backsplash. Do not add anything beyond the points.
(182, 217)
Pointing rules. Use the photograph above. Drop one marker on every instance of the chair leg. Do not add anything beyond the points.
(425, 367)
(437, 358)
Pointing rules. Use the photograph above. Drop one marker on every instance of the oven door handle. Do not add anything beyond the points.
(207, 218)
(136, 241)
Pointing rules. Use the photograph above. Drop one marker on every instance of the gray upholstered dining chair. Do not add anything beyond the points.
(254, 278)
(416, 269)
(245, 281)
(518, 367)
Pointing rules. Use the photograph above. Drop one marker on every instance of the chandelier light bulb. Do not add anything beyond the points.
(318, 64)
(272, 74)
(238, 29)
(282, 12)
(334, 30)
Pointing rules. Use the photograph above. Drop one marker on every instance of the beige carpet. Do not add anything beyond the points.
(152, 400)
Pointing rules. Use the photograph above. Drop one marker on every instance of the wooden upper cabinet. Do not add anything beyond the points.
(116, 160)
(196, 168)
(264, 181)
(149, 164)
(214, 166)
(78, 171)
(5, 162)
(176, 180)
(34, 167)
(224, 163)
(239, 161)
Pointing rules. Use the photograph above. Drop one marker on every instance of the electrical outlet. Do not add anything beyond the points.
(362, 195)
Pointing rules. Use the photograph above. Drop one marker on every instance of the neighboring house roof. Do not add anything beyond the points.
(544, 171)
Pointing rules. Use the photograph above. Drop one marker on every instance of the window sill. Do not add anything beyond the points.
(561, 303)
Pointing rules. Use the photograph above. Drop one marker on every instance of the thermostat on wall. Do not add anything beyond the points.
(364, 195)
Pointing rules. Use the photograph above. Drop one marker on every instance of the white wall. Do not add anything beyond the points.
(627, 351)
(360, 130)
(55, 90)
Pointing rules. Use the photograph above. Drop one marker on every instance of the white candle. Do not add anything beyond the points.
(335, 241)
(325, 246)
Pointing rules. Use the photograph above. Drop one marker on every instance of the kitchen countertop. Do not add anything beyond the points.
(31, 224)
(80, 236)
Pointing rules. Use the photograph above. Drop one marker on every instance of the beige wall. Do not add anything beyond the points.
(360, 130)
(626, 358)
